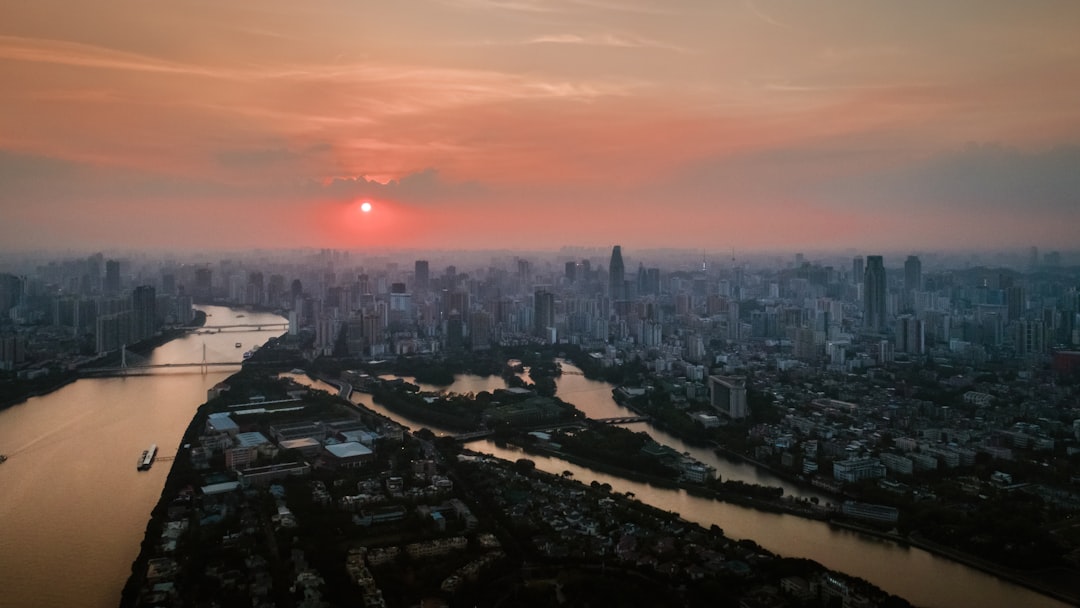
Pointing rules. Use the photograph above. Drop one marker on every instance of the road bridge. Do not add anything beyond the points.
(242, 326)
(622, 419)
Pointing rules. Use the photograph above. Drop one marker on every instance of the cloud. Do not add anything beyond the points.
(263, 158)
(760, 14)
(978, 177)
(624, 41)
(61, 184)
(423, 187)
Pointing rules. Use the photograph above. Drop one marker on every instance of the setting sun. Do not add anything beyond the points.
(365, 207)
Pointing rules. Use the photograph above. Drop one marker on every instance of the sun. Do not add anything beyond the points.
(365, 207)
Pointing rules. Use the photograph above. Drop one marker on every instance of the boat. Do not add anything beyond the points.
(148, 457)
(3, 458)
(247, 354)
(238, 345)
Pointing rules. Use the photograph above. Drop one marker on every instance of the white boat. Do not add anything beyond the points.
(148, 458)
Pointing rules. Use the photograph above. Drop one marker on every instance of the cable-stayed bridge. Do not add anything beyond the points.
(134, 364)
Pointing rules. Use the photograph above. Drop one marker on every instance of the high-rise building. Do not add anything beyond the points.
(652, 281)
(422, 274)
(857, 269)
(874, 294)
(143, 312)
(480, 329)
(543, 312)
(571, 272)
(616, 275)
(912, 274)
(112, 277)
(1015, 302)
(11, 293)
(727, 395)
(168, 284)
(203, 282)
(910, 335)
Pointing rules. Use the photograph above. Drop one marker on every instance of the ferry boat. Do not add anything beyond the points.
(238, 345)
(147, 458)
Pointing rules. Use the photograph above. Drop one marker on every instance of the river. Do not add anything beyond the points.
(914, 574)
(73, 507)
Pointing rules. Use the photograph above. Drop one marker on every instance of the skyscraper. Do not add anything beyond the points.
(112, 277)
(422, 274)
(143, 312)
(617, 275)
(571, 272)
(857, 269)
(874, 294)
(543, 312)
(912, 274)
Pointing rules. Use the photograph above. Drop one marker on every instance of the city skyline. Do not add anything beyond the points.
(484, 124)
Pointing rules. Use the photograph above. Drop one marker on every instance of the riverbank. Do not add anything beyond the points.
(770, 506)
(1024, 579)
(24, 390)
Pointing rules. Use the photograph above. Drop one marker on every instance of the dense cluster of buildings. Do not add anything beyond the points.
(64, 312)
(673, 309)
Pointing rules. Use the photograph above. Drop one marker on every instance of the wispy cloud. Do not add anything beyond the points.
(607, 40)
(525, 6)
(75, 54)
(752, 6)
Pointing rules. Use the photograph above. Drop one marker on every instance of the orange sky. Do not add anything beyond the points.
(528, 123)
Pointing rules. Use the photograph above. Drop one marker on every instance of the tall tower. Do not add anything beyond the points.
(912, 274)
(874, 294)
(857, 269)
(112, 277)
(617, 275)
(543, 311)
(422, 275)
(144, 312)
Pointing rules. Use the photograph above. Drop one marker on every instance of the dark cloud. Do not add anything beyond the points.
(56, 182)
(981, 176)
(423, 187)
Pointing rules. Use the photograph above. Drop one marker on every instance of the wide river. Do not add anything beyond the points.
(73, 508)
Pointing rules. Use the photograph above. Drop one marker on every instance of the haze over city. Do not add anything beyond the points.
(489, 124)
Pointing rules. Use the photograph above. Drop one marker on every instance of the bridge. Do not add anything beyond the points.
(134, 370)
(140, 366)
(473, 435)
(243, 326)
(622, 420)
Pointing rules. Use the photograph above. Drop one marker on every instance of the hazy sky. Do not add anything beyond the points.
(495, 123)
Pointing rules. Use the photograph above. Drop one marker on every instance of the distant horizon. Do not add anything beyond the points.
(716, 258)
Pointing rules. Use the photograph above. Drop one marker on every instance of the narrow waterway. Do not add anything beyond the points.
(914, 574)
(73, 507)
